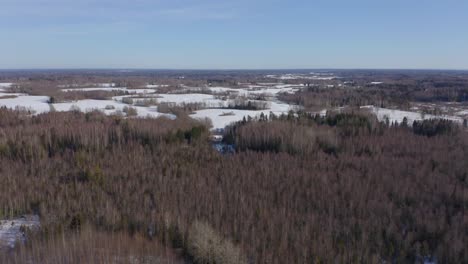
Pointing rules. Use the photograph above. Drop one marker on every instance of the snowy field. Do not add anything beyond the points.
(215, 101)
(34, 104)
(101, 85)
(218, 103)
(4, 86)
(311, 76)
(111, 89)
(108, 107)
(398, 115)
(221, 118)
(12, 231)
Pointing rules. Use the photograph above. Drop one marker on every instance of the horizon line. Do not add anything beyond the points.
(226, 69)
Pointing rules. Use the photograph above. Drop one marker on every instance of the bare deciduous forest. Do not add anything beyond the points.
(300, 188)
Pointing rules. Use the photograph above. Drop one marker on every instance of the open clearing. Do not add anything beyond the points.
(219, 104)
(215, 104)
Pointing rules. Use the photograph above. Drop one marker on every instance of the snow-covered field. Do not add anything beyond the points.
(215, 100)
(12, 231)
(35, 104)
(154, 86)
(40, 104)
(179, 99)
(216, 103)
(101, 85)
(111, 89)
(311, 76)
(108, 107)
(220, 118)
(398, 115)
(251, 90)
(5, 85)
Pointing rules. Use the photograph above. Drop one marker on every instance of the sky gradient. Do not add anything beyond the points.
(239, 34)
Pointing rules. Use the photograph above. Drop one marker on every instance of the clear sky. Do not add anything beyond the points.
(234, 34)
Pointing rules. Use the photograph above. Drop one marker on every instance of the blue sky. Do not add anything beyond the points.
(219, 34)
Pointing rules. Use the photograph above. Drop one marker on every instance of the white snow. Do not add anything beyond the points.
(207, 100)
(376, 83)
(4, 86)
(313, 76)
(11, 231)
(38, 104)
(153, 86)
(398, 115)
(111, 89)
(274, 91)
(106, 84)
(187, 98)
(218, 112)
(225, 90)
(258, 90)
(90, 85)
(268, 84)
(2, 94)
(220, 118)
(89, 105)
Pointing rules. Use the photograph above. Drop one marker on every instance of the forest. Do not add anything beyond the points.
(299, 188)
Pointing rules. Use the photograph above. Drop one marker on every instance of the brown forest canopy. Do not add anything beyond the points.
(299, 189)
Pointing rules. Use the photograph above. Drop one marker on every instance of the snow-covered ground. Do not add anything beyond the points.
(36, 104)
(221, 118)
(108, 107)
(101, 85)
(6, 94)
(217, 105)
(12, 231)
(111, 89)
(179, 99)
(206, 100)
(398, 115)
(39, 105)
(107, 84)
(271, 90)
(215, 101)
(311, 76)
(3, 86)
(219, 90)
(154, 86)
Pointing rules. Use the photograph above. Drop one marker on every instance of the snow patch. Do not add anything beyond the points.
(153, 86)
(313, 76)
(5, 85)
(111, 89)
(12, 231)
(221, 118)
(37, 104)
(398, 115)
(108, 107)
